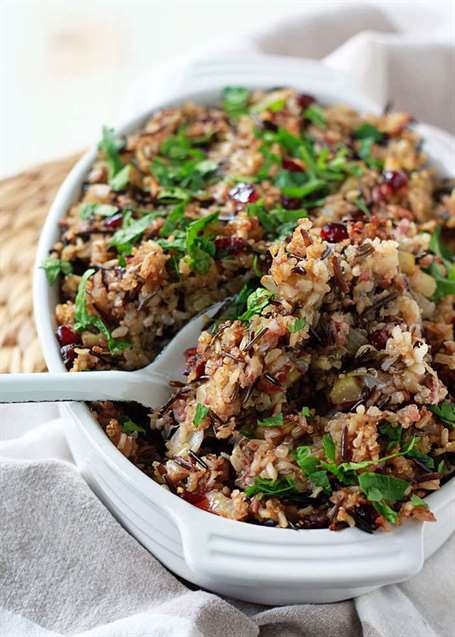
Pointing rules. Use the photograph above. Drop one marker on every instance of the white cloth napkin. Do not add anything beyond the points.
(66, 566)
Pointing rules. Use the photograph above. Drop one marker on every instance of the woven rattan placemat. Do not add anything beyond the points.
(24, 203)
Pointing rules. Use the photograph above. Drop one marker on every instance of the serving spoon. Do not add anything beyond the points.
(148, 386)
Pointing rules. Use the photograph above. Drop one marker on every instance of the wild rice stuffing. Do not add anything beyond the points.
(322, 396)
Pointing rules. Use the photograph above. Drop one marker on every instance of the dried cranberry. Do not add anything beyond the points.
(230, 245)
(381, 192)
(195, 362)
(305, 100)
(267, 387)
(68, 354)
(190, 352)
(334, 232)
(115, 221)
(66, 335)
(396, 179)
(197, 499)
(379, 338)
(291, 203)
(244, 193)
(290, 164)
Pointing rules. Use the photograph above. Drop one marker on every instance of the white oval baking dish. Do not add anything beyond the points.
(253, 563)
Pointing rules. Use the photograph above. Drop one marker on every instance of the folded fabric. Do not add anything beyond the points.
(67, 567)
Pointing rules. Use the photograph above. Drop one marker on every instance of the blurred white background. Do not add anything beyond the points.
(65, 66)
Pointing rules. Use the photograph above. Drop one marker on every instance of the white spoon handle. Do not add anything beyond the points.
(149, 389)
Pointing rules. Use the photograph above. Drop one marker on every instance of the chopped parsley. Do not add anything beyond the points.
(315, 115)
(182, 169)
(445, 411)
(110, 144)
(297, 325)
(368, 131)
(383, 490)
(368, 135)
(131, 231)
(418, 502)
(278, 222)
(173, 220)
(280, 486)
(235, 101)
(256, 302)
(130, 427)
(200, 247)
(392, 433)
(329, 447)
(272, 421)
(54, 267)
(445, 285)
(307, 462)
(378, 485)
(311, 467)
(88, 210)
(200, 413)
(121, 179)
(85, 320)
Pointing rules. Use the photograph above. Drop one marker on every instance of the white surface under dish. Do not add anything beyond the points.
(246, 561)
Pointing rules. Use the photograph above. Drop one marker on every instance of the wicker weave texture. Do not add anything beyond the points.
(24, 203)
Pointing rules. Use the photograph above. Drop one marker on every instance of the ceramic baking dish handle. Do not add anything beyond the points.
(252, 554)
(254, 70)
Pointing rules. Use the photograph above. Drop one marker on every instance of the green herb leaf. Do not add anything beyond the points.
(272, 421)
(307, 462)
(84, 320)
(130, 427)
(329, 447)
(110, 144)
(422, 458)
(365, 153)
(444, 286)
(418, 502)
(321, 479)
(132, 231)
(298, 325)
(120, 180)
(445, 411)
(280, 486)
(199, 249)
(386, 511)
(235, 100)
(54, 267)
(273, 104)
(316, 115)
(88, 210)
(173, 220)
(173, 195)
(305, 411)
(256, 302)
(440, 249)
(378, 487)
(356, 466)
(368, 131)
(290, 142)
(300, 192)
(200, 413)
(392, 433)
(368, 136)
